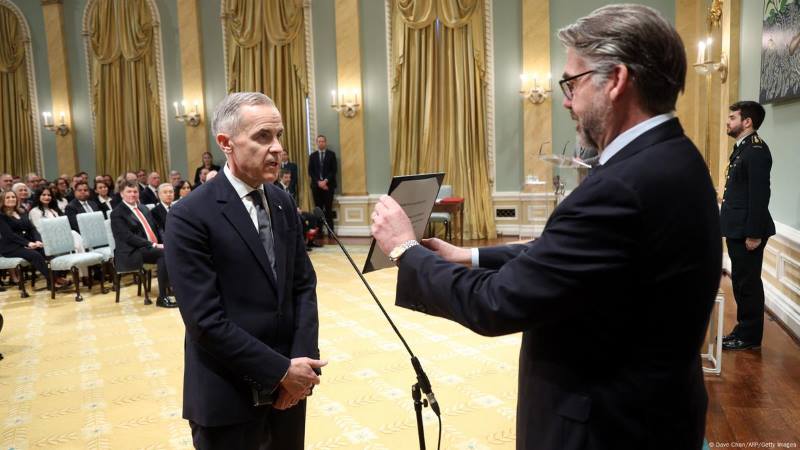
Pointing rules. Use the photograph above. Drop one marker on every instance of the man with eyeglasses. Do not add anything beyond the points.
(613, 299)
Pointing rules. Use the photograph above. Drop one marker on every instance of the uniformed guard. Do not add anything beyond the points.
(746, 222)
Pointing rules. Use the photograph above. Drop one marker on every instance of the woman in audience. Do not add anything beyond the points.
(101, 190)
(182, 189)
(23, 195)
(208, 164)
(19, 238)
(44, 207)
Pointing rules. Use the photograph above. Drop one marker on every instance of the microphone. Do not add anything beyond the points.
(422, 377)
(564, 151)
(542, 146)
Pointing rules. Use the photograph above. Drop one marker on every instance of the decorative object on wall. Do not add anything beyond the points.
(346, 102)
(534, 89)
(184, 115)
(705, 64)
(780, 51)
(265, 51)
(439, 96)
(62, 129)
(19, 138)
(123, 52)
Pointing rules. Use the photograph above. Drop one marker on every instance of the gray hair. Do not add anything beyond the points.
(639, 38)
(163, 186)
(226, 115)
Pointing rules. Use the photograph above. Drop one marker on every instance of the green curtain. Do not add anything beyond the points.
(124, 87)
(17, 148)
(438, 101)
(266, 52)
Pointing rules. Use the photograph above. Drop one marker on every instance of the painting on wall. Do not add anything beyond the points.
(780, 51)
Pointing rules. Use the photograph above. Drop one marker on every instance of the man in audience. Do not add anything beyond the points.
(202, 175)
(166, 195)
(84, 176)
(285, 183)
(32, 180)
(138, 241)
(141, 177)
(614, 298)
(292, 168)
(110, 183)
(247, 291)
(116, 199)
(746, 222)
(174, 177)
(149, 195)
(322, 171)
(6, 181)
(82, 203)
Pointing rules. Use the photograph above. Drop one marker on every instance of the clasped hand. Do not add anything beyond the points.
(298, 382)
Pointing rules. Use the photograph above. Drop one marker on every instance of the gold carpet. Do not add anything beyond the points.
(99, 375)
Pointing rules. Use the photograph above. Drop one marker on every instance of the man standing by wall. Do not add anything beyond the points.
(746, 222)
(322, 171)
(246, 291)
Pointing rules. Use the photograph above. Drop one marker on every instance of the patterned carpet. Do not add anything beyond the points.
(102, 375)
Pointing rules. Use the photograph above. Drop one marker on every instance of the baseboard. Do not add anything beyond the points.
(519, 230)
(353, 231)
(783, 309)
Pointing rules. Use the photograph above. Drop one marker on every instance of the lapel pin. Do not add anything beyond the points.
(279, 207)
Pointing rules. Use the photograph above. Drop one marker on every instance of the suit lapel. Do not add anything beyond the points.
(235, 212)
(663, 132)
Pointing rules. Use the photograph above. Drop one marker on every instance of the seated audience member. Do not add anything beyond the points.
(19, 238)
(44, 207)
(137, 240)
(166, 195)
(84, 177)
(284, 182)
(149, 195)
(182, 189)
(101, 196)
(141, 177)
(203, 176)
(32, 180)
(110, 183)
(62, 194)
(208, 165)
(6, 182)
(174, 177)
(116, 199)
(80, 204)
(23, 193)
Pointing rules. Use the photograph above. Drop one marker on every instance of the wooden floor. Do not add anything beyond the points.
(755, 402)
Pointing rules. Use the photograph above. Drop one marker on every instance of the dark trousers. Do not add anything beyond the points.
(748, 290)
(273, 430)
(35, 257)
(324, 200)
(156, 256)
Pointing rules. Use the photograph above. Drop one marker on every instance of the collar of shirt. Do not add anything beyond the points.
(132, 207)
(739, 142)
(627, 136)
(241, 188)
(166, 206)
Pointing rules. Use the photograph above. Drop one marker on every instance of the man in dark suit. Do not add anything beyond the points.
(247, 291)
(149, 194)
(746, 222)
(166, 195)
(284, 182)
(614, 298)
(322, 171)
(82, 203)
(292, 169)
(138, 241)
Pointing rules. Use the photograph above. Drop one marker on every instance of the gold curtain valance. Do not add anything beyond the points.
(120, 29)
(418, 14)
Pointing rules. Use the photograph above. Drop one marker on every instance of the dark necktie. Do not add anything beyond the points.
(264, 229)
(86, 207)
(321, 165)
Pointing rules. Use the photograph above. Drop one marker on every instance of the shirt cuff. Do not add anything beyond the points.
(475, 257)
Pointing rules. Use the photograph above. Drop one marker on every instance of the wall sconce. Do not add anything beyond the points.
(191, 118)
(62, 129)
(706, 66)
(535, 93)
(346, 103)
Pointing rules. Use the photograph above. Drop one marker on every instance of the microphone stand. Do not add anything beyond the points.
(423, 384)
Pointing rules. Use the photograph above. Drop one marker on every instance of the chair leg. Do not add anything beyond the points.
(144, 277)
(117, 277)
(22, 292)
(139, 278)
(76, 278)
(103, 289)
(52, 283)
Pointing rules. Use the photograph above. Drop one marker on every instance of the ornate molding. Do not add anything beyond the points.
(387, 4)
(159, 57)
(52, 2)
(312, 91)
(31, 76)
(490, 128)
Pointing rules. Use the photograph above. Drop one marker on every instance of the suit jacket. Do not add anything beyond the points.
(16, 233)
(130, 236)
(613, 301)
(74, 208)
(745, 202)
(328, 172)
(160, 217)
(197, 173)
(243, 324)
(147, 196)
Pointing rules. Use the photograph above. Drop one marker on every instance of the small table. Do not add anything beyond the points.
(455, 208)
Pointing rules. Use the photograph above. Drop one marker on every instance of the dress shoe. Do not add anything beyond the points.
(165, 302)
(729, 337)
(738, 344)
(314, 244)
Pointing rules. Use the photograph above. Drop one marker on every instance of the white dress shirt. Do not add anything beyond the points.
(243, 189)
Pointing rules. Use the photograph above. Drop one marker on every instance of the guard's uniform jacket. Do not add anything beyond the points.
(745, 202)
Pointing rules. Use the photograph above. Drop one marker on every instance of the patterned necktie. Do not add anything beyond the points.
(264, 228)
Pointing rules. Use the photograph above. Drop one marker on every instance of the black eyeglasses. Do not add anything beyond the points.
(568, 84)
